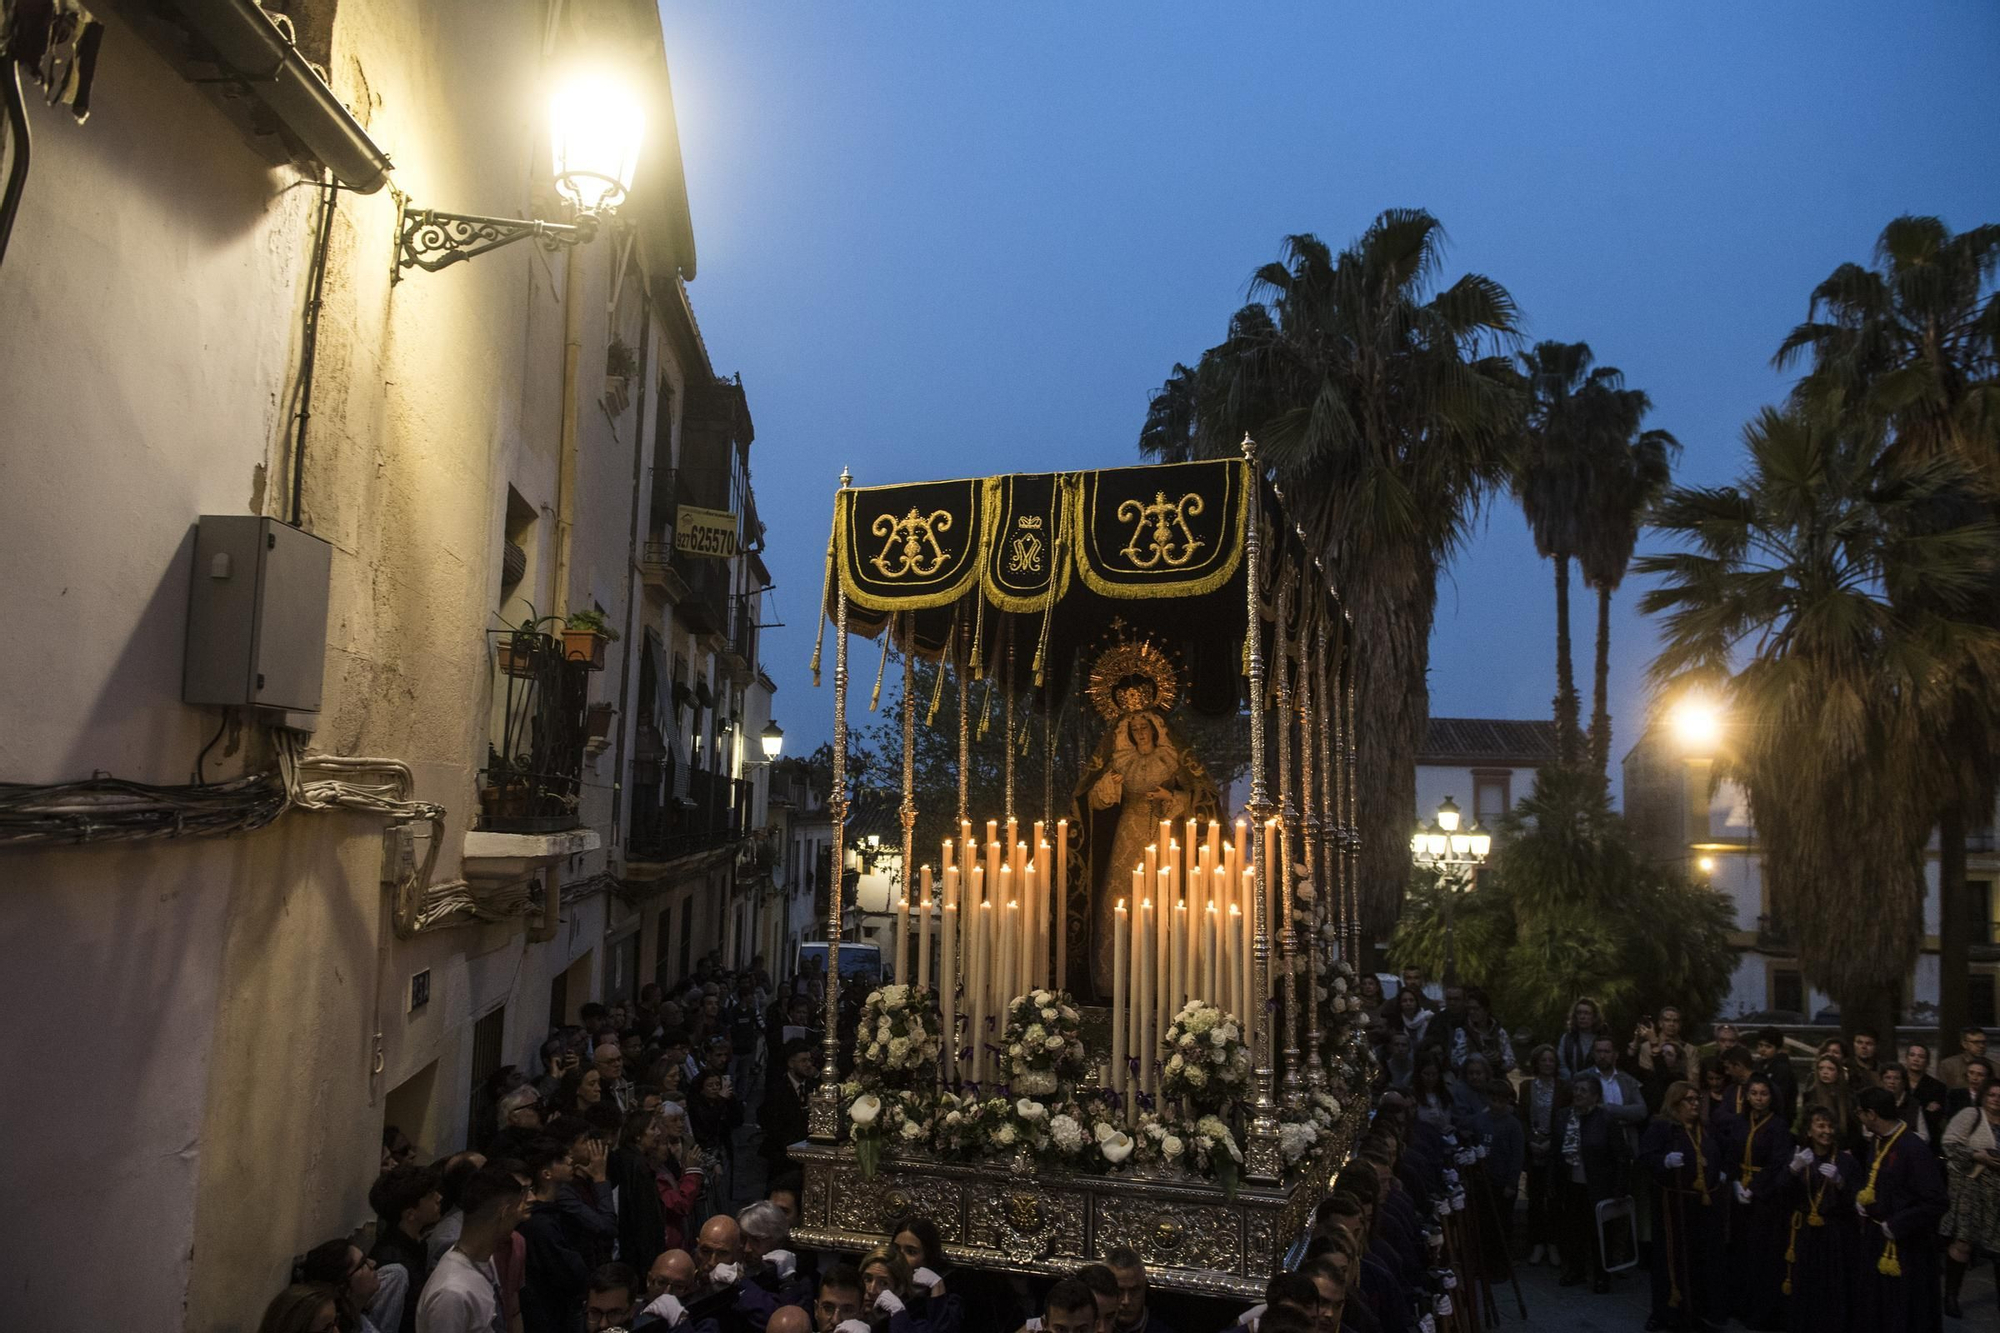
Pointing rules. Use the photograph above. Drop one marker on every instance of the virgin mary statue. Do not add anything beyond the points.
(1139, 775)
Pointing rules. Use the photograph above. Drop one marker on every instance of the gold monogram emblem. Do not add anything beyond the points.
(895, 1204)
(1024, 553)
(1167, 1236)
(916, 536)
(1024, 1213)
(1162, 525)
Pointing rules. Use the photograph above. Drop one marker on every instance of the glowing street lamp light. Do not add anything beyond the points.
(596, 124)
(773, 740)
(1456, 853)
(1697, 724)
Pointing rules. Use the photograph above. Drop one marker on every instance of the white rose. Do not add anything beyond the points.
(866, 1109)
(1048, 1015)
(1004, 1136)
(1028, 1110)
(1216, 1037)
(1115, 1148)
(1017, 1050)
(1053, 1044)
(1172, 1146)
(912, 1130)
(1105, 1130)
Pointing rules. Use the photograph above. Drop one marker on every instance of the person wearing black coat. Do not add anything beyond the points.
(1823, 1233)
(555, 1274)
(1690, 1212)
(1756, 1149)
(1902, 1199)
(642, 1219)
(1588, 1160)
(781, 1120)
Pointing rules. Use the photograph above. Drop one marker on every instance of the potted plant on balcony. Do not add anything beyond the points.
(519, 651)
(584, 639)
(621, 364)
(597, 722)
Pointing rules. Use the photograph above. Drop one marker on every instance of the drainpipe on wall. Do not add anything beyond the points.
(566, 469)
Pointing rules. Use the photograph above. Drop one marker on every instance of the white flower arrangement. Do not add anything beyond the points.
(1044, 1045)
(900, 1038)
(1207, 1063)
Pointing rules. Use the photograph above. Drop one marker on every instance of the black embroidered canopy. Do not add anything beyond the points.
(1049, 560)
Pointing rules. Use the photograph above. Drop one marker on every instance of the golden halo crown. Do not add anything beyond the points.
(1123, 660)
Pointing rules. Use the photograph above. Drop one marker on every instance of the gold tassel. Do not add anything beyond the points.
(875, 699)
(1866, 1196)
(1889, 1265)
(937, 695)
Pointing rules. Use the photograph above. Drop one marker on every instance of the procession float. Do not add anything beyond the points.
(1125, 1022)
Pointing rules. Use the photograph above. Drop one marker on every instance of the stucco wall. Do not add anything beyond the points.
(205, 1014)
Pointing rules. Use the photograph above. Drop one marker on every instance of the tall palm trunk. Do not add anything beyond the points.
(1954, 912)
(1567, 704)
(1392, 619)
(1600, 711)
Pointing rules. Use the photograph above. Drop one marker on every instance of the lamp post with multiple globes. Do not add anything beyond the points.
(1456, 854)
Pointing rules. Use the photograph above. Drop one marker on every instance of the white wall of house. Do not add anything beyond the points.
(224, 1023)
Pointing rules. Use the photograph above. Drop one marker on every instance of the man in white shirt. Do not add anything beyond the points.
(463, 1294)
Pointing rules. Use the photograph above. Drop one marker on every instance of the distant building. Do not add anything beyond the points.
(1485, 765)
(1678, 821)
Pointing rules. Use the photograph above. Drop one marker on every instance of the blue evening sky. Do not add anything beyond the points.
(941, 239)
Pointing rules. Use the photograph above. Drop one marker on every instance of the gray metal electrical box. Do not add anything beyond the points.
(256, 632)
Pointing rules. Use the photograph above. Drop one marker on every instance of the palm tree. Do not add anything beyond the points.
(1551, 477)
(1385, 409)
(1790, 601)
(1629, 470)
(1914, 344)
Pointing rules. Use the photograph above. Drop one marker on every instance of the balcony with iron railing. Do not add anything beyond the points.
(715, 813)
(532, 781)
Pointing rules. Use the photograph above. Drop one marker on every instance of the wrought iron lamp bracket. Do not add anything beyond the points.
(431, 240)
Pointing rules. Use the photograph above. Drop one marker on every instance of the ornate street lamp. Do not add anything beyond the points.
(595, 126)
(773, 740)
(1456, 854)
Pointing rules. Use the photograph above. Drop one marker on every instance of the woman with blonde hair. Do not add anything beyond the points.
(303, 1307)
(887, 1289)
(1829, 1092)
(1690, 1211)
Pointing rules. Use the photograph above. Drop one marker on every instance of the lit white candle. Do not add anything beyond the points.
(903, 939)
(1177, 931)
(1119, 966)
(1010, 931)
(1144, 1010)
(948, 972)
(1061, 924)
(1163, 1011)
(924, 931)
(1211, 955)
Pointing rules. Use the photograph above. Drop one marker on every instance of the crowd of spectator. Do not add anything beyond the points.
(1822, 1186)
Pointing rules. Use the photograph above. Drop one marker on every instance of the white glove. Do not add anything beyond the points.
(1673, 1161)
(783, 1262)
(1885, 1231)
(1444, 1304)
(926, 1279)
(1829, 1170)
(889, 1302)
(852, 1326)
(1428, 1324)
(1742, 1192)
(725, 1275)
(1801, 1160)
(668, 1308)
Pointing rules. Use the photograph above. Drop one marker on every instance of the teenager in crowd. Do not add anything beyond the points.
(1823, 1232)
(1902, 1199)
(1756, 1149)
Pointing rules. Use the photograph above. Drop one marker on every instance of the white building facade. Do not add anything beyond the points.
(225, 1023)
